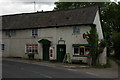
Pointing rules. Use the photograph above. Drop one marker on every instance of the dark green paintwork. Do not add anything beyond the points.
(46, 52)
(80, 45)
(61, 51)
(45, 45)
(44, 41)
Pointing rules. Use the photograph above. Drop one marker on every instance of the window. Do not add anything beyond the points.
(81, 50)
(31, 48)
(10, 33)
(76, 50)
(34, 32)
(87, 51)
(7, 33)
(2, 47)
(76, 30)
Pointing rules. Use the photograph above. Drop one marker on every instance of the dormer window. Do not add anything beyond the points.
(34, 32)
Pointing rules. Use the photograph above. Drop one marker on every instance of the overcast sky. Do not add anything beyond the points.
(25, 6)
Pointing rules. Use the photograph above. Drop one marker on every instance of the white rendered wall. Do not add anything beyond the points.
(98, 25)
(103, 57)
(15, 45)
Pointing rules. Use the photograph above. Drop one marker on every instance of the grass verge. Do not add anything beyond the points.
(108, 65)
(116, 60)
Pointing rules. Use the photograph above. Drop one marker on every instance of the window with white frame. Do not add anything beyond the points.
(34, 32)
(76, 30)
(11, 33)
(80, 50)
(31, 48)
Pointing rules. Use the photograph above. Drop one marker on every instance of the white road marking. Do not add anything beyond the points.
(91, 73)
(42, 74)
(71, 69)
(37, 73)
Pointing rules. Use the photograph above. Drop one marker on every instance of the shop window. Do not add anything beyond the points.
(32, 48)
(76, 30)
(76, 50)
(81, 50)
(87, 51)
(34, 32)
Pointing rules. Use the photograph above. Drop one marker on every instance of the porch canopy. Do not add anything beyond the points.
(76, 45)
(44, 41)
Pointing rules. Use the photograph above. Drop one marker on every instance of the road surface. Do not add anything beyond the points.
(12, 69)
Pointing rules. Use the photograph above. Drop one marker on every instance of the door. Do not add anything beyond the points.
(61, 51)
(46, 52)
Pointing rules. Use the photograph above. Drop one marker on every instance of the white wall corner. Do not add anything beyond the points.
(98, 25)
(103, 57)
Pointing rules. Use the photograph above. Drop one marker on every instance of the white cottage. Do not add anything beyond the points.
(50, 35)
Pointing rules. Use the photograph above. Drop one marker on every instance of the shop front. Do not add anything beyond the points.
(81, 52)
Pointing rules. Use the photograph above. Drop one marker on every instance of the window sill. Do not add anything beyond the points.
(31, 53)
(76, 33)
(80, 56)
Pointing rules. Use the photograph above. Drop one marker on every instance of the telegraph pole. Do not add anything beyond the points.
(34, 6)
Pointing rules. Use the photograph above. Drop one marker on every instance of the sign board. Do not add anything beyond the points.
(61, 42)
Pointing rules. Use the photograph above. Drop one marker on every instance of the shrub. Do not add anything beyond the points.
(116, 44)
(102, 45)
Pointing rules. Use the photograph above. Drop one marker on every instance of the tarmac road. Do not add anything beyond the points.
(12, 69)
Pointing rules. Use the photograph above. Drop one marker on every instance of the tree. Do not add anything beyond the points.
(116, 43)
(92, 38)
(112, 15)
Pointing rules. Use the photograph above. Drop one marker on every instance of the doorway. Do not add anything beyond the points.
(61, 51)
(45, 46)
(46, 52)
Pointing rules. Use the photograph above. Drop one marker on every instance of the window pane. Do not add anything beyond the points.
(30, 49)
(81, 51)
(76, 30)
(8, 33)
(76, 50)
(87, 51)
(12, 32)
(34, 31)
(3, 46)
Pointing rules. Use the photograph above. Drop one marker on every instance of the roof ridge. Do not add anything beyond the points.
(51, 11)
